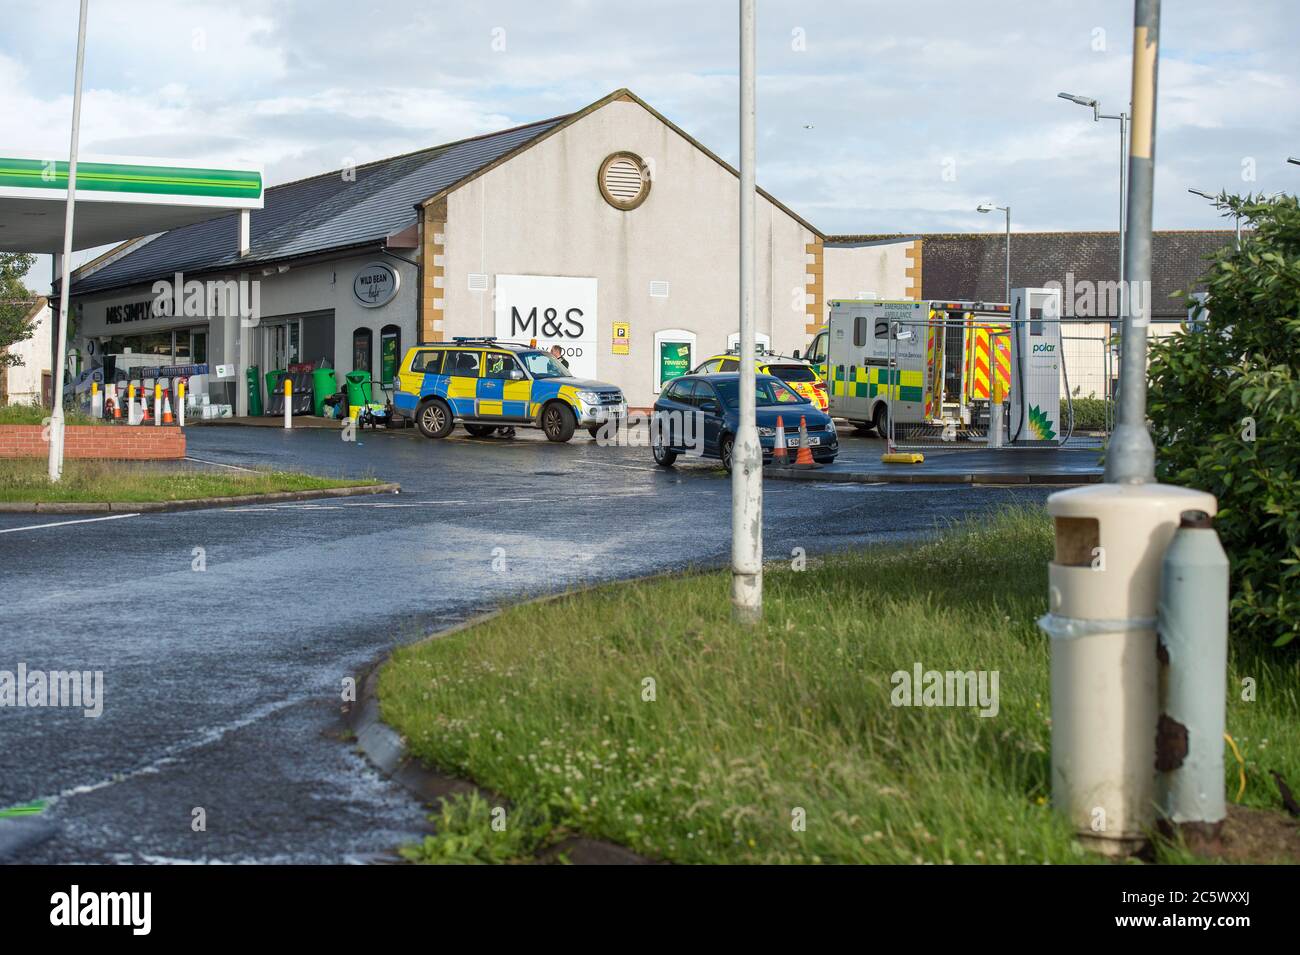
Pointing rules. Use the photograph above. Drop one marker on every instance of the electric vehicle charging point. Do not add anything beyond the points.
(1103, 591)
(1035, 367)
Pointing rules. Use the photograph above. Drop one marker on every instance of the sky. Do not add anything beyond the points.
(873, 117)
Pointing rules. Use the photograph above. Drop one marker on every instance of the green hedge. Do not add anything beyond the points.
(1089, 413)
(1224, 402)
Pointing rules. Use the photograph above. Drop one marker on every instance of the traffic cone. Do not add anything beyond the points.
(145, 416)
(804, 460)
(114, 409)
(167, 408)
(780, 457)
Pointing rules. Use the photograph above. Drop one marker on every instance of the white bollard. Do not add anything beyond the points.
(288, 402)
(130, 404)
(180, 402)
(96, 401)
(157, 404)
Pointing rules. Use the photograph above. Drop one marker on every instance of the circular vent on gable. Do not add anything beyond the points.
(624, 180)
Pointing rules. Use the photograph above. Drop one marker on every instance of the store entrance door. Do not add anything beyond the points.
(281, 345)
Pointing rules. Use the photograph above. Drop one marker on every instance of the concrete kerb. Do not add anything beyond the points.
(386, 750)
(933, 477)
(141, 507)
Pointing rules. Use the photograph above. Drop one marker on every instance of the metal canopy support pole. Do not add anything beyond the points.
(747, 455)
(1131, 456)
(65, 279)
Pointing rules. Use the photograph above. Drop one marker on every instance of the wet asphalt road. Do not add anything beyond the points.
(222, 688)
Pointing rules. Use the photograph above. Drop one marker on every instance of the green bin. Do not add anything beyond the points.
(359, 390)
(323, 384)
(254, 392)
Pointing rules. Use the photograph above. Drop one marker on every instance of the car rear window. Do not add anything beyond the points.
(793, 372)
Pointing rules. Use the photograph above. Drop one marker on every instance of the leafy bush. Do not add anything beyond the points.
(1224, 402)
(1089, 413)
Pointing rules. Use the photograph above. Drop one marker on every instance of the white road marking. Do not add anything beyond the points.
(219, 464)
(84, 520)
(630, 467)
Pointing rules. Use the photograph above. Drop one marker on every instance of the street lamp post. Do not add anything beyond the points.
(989, 207)
(1131, 456)
(56, 413)
(746, 453)
(1123, 119)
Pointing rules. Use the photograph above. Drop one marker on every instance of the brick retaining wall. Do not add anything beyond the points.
(115, 442)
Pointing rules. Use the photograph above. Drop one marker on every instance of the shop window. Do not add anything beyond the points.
(390, 352)
(362, 341)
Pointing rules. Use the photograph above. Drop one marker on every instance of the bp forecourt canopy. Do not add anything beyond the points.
(117, 198)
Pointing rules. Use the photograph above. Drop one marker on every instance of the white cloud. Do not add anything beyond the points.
(889, 89)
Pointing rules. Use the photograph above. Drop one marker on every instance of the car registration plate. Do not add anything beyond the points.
(794, 442)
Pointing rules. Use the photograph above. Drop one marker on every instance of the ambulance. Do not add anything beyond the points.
(933, 361)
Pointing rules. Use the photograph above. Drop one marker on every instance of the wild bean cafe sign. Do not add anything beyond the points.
(375, 285)
(554, 310)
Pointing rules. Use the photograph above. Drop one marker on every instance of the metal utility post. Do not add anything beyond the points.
(989, 207)
(1105, 577)
(1131, 456)
(1124, 119)
(61, 329)
(747, 455)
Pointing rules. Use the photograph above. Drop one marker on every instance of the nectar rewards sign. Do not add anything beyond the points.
(555, 310)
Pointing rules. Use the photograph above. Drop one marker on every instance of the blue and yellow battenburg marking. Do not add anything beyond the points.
(481, 397)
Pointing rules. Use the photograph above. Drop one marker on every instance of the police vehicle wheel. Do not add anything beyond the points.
(558, 422)
(724, 450)
(594, 430)
(434, 420)
(480, 430)
(664, 457)
(863, 427)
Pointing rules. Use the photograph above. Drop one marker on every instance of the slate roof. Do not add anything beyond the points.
(314, 215)
(972, 266)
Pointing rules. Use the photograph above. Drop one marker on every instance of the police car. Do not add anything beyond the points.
(799, 375)
(485, 384)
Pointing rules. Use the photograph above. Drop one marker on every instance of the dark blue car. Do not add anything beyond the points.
(698, 414)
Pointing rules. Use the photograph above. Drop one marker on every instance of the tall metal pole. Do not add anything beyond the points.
(1130, 458)
(747, 455)
(61, 330)
(1008, 272)
(1123, 193)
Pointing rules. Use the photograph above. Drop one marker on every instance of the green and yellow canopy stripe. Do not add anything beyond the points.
(122, 178)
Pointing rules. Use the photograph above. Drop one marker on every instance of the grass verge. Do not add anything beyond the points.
(751, 731)
(37, 414)
(26, 480)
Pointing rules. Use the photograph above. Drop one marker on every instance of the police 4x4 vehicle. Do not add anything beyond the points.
(486, 384)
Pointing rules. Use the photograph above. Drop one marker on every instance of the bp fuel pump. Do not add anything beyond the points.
(1036, 367)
